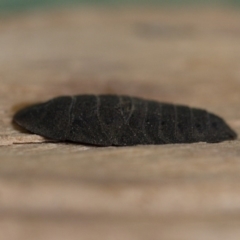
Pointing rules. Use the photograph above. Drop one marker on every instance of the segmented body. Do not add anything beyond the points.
(122, 121)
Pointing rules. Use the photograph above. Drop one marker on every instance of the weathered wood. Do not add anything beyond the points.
(58, 191)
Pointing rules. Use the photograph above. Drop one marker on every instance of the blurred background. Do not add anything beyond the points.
(10, 5)
(184, 52)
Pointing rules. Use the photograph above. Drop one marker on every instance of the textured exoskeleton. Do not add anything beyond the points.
(106, 120)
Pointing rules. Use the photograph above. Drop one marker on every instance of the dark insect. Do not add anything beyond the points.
(107, 120)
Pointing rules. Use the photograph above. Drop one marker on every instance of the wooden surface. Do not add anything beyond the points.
(51, 190)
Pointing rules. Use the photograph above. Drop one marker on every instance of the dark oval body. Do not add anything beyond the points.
(107, 120)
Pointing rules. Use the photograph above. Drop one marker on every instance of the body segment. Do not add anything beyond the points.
(107, 120)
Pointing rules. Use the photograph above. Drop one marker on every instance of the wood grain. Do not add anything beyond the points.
(52, 190)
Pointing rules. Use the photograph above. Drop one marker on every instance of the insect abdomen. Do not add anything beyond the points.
(121, 121)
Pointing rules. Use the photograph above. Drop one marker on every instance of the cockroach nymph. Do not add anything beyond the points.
(112, 120)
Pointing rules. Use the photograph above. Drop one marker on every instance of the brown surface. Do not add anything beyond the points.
(67, 191)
